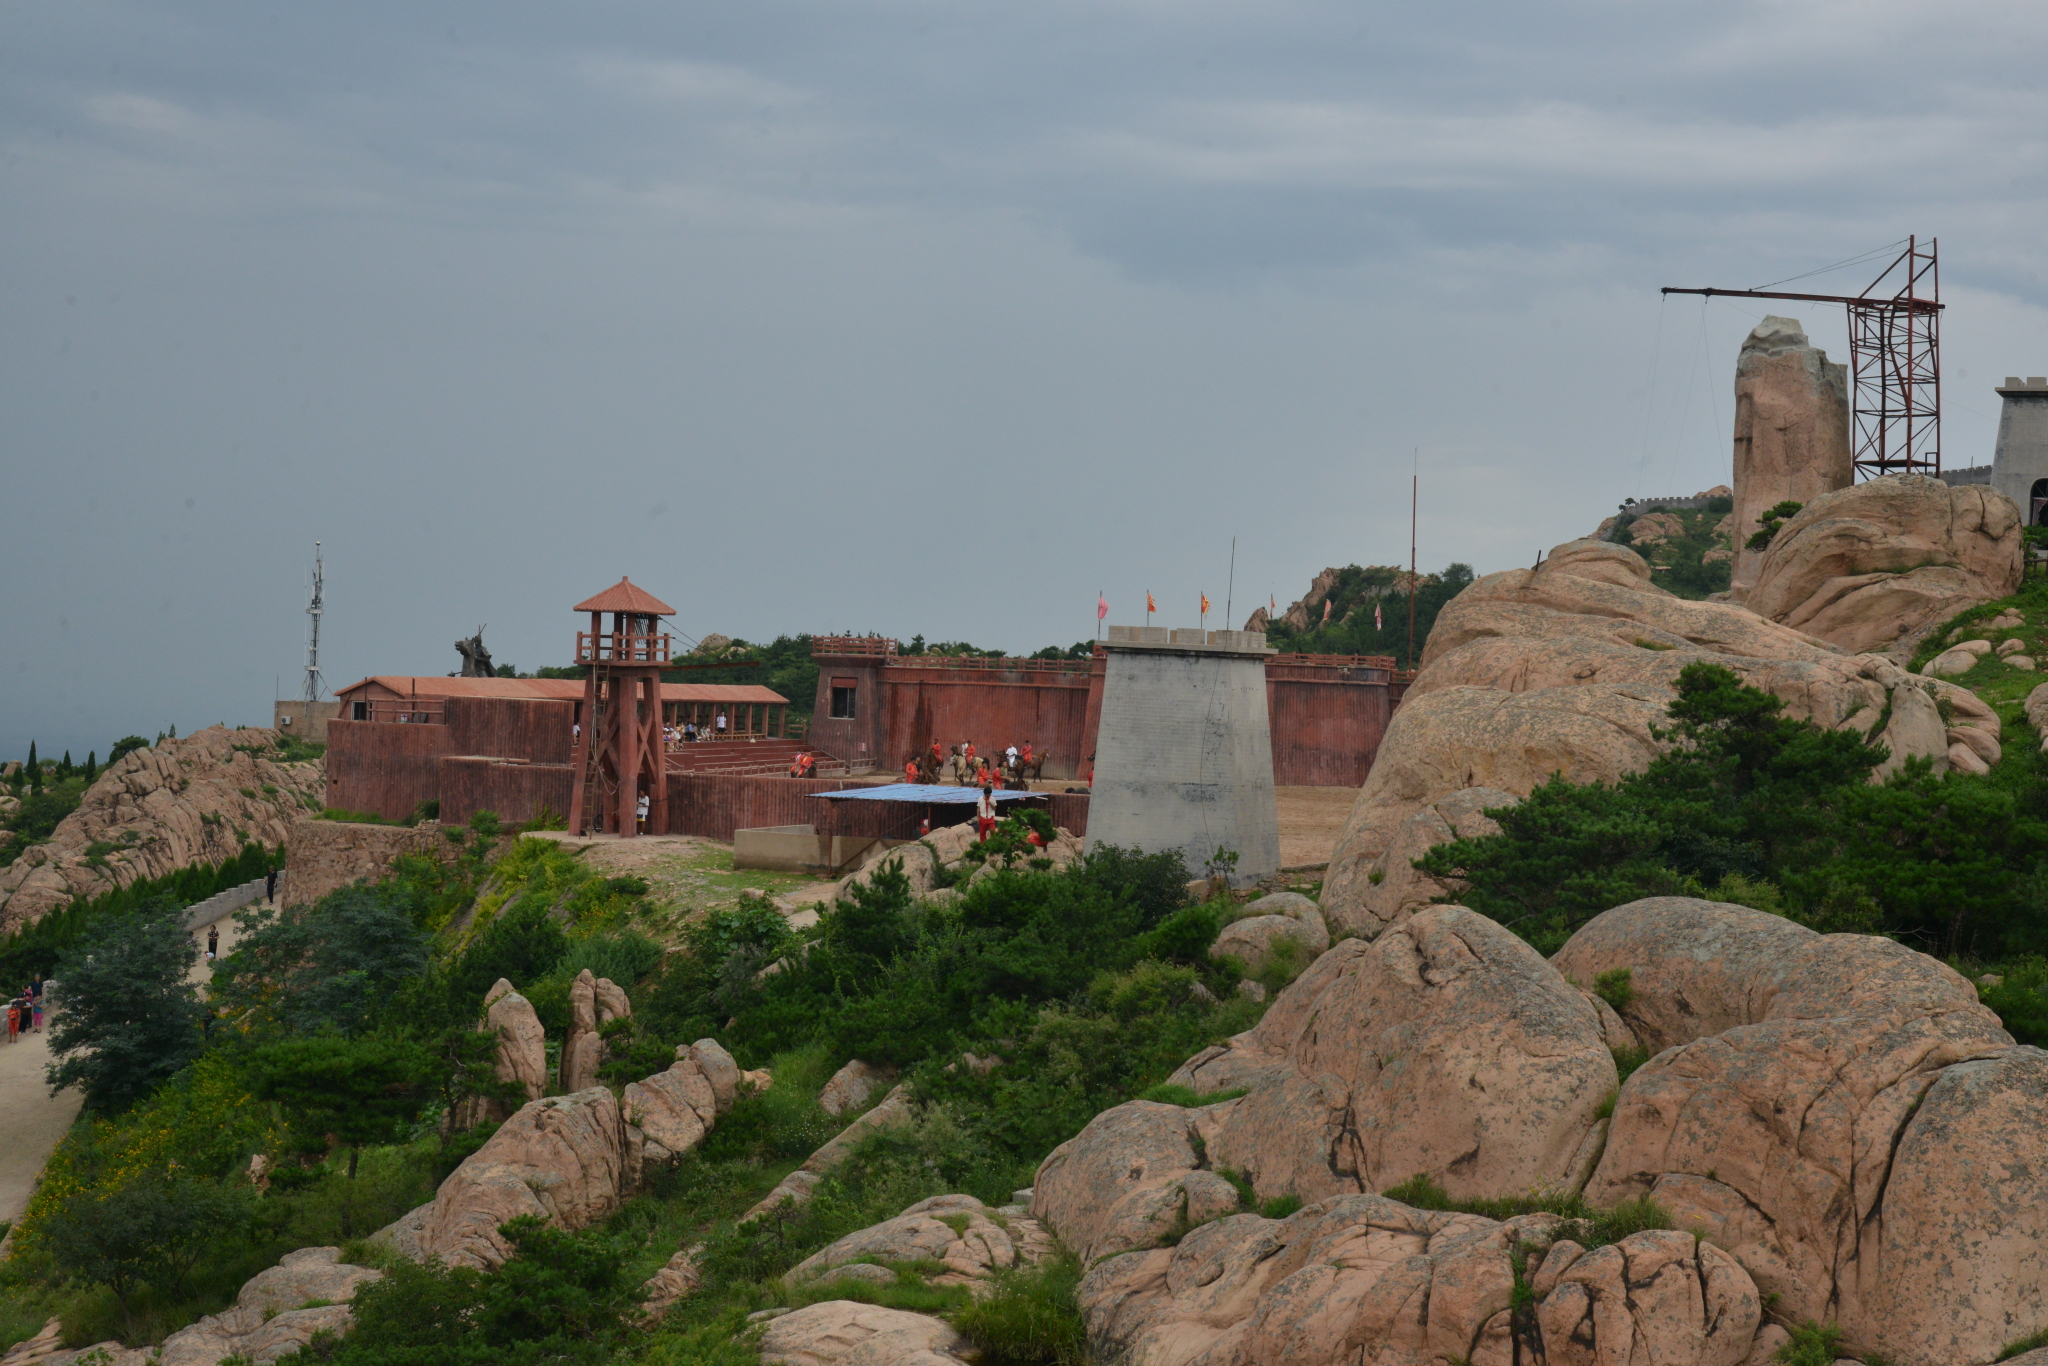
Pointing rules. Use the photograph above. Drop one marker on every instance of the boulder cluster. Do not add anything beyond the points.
(1832, 1126)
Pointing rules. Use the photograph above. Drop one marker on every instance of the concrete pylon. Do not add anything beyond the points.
(1791, 431)
(1184, 756)
(2019, 464)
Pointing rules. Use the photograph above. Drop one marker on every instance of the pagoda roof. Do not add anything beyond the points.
(626, 596)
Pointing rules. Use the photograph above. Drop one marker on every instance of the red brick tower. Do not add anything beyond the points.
(618, 755)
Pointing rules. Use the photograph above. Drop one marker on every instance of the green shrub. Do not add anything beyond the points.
(1596, 1227)
(1030, 1318)
(1616, 987)
(1812, 1344)
(2021, 1000)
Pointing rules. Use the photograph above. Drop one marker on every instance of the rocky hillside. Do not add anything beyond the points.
(195, 799)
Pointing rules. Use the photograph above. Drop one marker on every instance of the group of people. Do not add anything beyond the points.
(25, 1011)
(689, 733)
(1011, 769)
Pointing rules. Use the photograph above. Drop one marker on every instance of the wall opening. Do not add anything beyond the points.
(843, 698)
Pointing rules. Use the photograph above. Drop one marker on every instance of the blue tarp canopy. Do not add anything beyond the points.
(922, 792)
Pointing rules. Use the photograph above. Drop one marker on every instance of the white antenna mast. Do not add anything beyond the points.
(315, 684)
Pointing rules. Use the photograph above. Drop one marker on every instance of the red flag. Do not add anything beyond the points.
(1205, 604)
(1150, 606)
(1326, 609)
(1101, 607)
(1379, 623)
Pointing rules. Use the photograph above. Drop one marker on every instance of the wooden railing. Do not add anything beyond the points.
(621, 647)
(421, 711)
(852, 645)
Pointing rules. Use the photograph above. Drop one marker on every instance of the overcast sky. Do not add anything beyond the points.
(908, 317)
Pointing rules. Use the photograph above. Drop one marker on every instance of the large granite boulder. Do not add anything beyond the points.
(847, 1333)
(1447, 1048)
(1361, 1278)
(1569, 668)
(269, 1319)
(568, 1159)
(1878, 565)
(958, 1232)
(1394, 887)
(1841, 1114)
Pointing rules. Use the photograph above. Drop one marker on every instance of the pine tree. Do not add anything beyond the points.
(35, 769)
(92, 766)
(64, 768)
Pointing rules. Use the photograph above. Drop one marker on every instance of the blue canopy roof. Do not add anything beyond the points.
(922, 792)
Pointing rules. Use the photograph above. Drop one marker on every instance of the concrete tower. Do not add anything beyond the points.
(1184, 756)
(2019, 464)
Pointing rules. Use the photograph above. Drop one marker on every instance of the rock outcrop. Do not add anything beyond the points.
(847, 1333)
(267, 1320)
(1362, 1278)
(1838, 1112)
(1566, 669)
(853, 1085)
(594, 1002)
(894, 1112)
(1283, 917)
(960, 1233)
(675, 1109)
(1447, 1048)
(1791, 431)
(195, 799)
(1394, 887)
(1877, 566)
(522, 1052)
(568, 1159)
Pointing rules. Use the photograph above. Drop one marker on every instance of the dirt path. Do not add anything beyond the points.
(1311, 818)
(31, 1121)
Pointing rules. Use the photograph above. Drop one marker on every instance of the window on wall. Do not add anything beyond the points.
(842, 699)
(359, 711)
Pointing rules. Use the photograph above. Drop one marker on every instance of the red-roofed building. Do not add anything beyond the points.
(588, 750)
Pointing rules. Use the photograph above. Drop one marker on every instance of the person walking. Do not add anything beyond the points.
(985, 813)
(212, 942)
(36, 1007)
(270, 886)
(13, 1019)
(640, 812)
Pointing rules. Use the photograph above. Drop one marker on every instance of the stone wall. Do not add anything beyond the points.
(323, 855)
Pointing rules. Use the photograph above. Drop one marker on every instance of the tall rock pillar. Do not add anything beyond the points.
(1791, 431)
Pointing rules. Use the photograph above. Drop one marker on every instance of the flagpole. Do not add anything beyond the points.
(1230, 587)
(1414, 500)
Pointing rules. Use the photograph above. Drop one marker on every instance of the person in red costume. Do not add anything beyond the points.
(985, 812)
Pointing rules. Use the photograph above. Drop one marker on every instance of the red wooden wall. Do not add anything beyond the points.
(515, 791)
(383, 766)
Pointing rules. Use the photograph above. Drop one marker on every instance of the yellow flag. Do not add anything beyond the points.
(1205, 604)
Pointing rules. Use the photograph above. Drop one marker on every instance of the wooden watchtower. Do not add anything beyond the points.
(618, 756)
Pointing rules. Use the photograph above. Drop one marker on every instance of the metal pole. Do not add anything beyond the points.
(1414, 499)
(1230, 587)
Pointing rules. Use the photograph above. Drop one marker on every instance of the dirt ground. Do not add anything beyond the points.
(1311, 818)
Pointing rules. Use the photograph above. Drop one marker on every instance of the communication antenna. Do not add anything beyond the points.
(315, 684)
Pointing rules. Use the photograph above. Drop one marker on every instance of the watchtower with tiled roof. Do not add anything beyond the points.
(618, 758)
